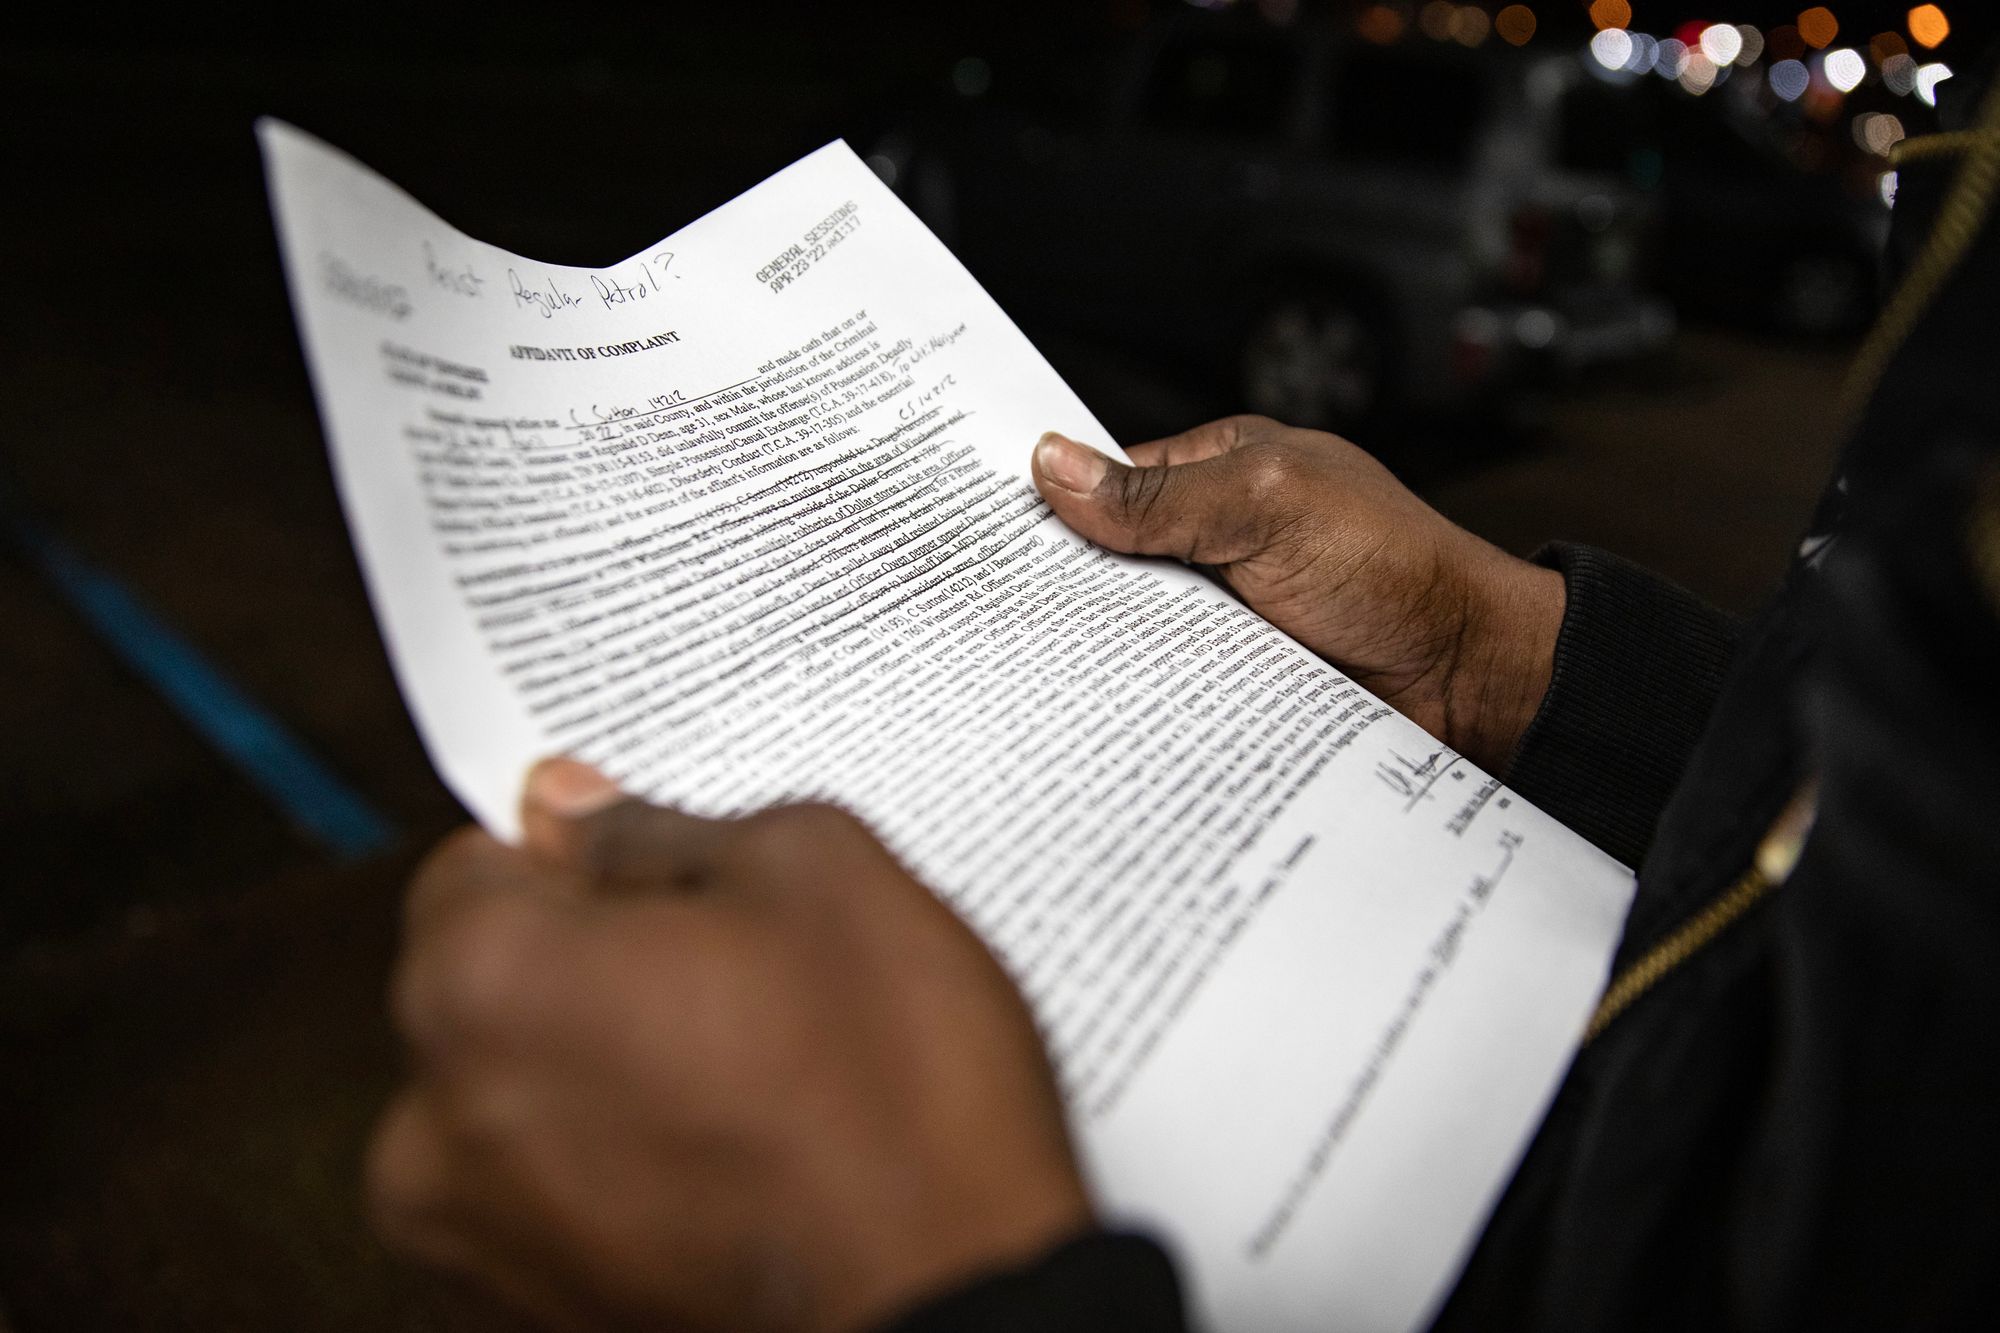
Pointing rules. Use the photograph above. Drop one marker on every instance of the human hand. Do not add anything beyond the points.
(702, 1074)
(1320, 539)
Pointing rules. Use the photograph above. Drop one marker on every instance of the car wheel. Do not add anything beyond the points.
(1315, 361)
(1822, 295)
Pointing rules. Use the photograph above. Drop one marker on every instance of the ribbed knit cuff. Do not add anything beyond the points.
(1102, 1282)
(1638, 665)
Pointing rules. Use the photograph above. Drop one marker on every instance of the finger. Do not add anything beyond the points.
(470, 866)
(576, 818)
(558, 794)
(487, 970)
(1204, 441)
(1211, 512)
(810, 847)
(419, 1205)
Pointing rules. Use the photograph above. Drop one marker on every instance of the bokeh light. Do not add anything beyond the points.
(1699, 74)
(971, 77)
(1789, 79)
(1672, 61)
(1470, 25)
(1381, 24)
(1611, 47)
(1435, 19)
(1928, 78)
(1785, 44)
(1753, 44)
(1721, 43)
(1515, 24)
(1611, 14)
(1899, 75)
(1536, 329)
(1877, 132)
(1844, 68)
(1928, 25)
(1818, 26)
(1645, 51)
(1886, 44)
(1885, 188)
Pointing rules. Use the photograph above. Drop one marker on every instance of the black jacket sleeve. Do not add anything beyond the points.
(1102, 1282)
(1638, 665)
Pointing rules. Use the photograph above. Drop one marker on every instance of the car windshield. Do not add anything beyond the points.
(1235, 89)
(1392, 107)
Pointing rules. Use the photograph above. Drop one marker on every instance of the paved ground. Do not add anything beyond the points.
(190, 1037)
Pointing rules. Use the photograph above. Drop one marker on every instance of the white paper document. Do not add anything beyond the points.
(746, 519)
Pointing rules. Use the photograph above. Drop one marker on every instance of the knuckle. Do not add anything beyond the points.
(456, 848)
(490, 1110)
(635, 842)
(807, 835)
(596, 843)
(1250, 427)
(1140, 492)
(458, 856)
(608, 839)
(813, 823)
(472, 971)
(1274, 475)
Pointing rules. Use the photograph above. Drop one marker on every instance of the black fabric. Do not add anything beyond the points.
(1106, 1282)
(1638, 665)
(1793, 1129)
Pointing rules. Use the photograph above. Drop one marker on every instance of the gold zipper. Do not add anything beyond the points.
(1771, 866)
(1959, 219)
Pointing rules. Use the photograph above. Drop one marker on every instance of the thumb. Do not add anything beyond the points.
(1203, 512)
(575, 817)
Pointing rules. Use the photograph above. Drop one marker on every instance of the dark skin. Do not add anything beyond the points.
(708, 1074)
(716, 1074)
(1323, 542)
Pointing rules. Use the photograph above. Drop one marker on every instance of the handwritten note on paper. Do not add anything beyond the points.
(746, 519)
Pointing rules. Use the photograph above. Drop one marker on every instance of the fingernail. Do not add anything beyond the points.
(570, 789)
(1070, 465)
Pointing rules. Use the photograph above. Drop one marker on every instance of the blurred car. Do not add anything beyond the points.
(1750, 235)
(1340, 234)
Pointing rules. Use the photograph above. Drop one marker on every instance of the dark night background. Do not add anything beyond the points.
(190, 1037)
